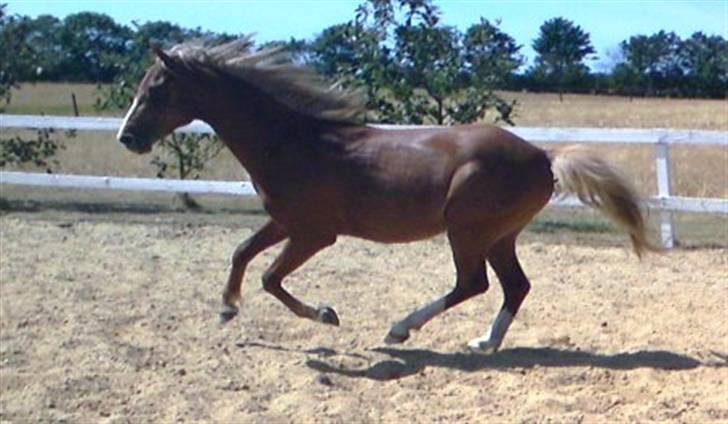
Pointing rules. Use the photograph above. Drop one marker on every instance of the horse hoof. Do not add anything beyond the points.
(327, 315)
(482, 346)
(394, 338)
(228, 312)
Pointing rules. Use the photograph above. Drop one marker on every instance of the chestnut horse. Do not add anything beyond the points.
(321, 173)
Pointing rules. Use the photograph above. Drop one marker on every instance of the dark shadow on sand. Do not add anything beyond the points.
(322, 352)
(406, 362)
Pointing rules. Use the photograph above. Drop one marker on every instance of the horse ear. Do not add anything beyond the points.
(171, 63)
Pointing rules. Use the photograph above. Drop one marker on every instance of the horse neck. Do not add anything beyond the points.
(250, 123)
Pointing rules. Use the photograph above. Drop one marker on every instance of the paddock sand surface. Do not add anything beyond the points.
(106, 321)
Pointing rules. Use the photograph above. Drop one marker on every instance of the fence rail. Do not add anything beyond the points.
(662, 138)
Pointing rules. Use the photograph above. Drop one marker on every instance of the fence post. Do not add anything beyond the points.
(75, 104)
(662, 168)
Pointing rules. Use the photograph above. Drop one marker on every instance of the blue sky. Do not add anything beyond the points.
(607, 21)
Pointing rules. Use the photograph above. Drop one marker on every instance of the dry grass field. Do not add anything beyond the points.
(580, 110)
(53, 99)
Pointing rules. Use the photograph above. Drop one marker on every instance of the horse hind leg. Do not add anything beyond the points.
(472, 198)
(468, 248)
(515, 286)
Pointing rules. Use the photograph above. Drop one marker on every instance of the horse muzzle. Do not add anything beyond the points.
(134, 143)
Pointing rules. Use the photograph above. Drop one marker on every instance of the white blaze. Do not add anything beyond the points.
(131, 110)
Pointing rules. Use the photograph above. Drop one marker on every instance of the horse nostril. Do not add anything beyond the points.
(127, 139)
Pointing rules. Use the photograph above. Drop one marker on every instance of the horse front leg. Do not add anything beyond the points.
(270, 234)
(295, 253)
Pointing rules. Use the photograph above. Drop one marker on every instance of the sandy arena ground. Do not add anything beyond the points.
(105, 321)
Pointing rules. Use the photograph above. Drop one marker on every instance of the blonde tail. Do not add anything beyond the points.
(580, 171)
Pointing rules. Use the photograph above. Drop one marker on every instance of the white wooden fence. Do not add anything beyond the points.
(660, 138)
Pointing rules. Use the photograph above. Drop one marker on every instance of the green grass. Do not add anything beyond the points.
(544, 226)
(580, 224)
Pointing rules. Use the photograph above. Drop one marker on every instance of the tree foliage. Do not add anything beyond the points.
(663, 64)
(491, 55)
(186, 154)
(380, 51)
(652, 59)
(704, 60)
(412, 68)
(15, 54)
(561, 48)
(21, 48)
(95, 45)
(39, 152)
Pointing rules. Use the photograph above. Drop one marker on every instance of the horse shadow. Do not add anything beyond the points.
(407, 362)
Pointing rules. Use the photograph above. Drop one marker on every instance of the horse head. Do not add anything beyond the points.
(161, 104)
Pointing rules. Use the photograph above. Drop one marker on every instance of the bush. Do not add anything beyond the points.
(39, 151)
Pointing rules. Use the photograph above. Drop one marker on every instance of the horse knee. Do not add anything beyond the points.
(239, 256)
(525, 287)
(475, 286)
(479, 287)
(519, 287)
(464, 290)
(271, 282)
(515, 292)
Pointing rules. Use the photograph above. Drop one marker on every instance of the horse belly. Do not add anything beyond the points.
(399, 193)
(398, 220)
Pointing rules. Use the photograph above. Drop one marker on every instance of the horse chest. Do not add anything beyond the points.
(297, 201)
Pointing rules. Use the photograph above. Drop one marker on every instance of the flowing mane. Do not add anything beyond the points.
(272, 71)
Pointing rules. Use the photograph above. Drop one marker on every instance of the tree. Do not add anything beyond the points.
(705, 61)
(430, 71)
(336, 51)
(30, 46)
(411, 68)
(7, 78)
(187, 154)
(491, 55)
(355, 55)
(561, 47)
(16, 57)
(297, 49)
(15, 54)
(653, 60)
(94, 45)
(627, 81)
